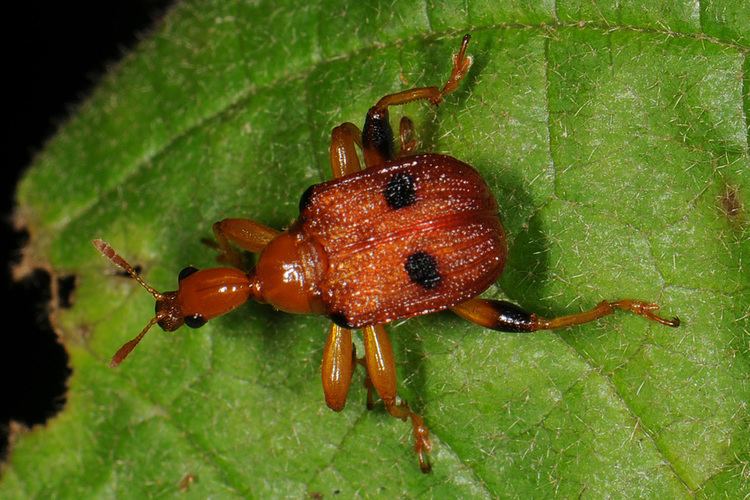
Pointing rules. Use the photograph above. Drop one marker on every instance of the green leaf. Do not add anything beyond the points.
(615, 137)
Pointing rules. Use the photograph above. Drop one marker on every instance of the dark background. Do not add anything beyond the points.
(55, 52)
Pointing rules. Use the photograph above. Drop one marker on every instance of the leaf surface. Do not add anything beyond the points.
(615, 138)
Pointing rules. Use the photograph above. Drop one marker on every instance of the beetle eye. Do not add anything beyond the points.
(195, 321)
(187, 271)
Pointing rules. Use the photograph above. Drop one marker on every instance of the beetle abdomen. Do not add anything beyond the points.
(416, 235)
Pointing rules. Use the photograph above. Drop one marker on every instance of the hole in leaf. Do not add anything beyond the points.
(65, 287)
(34, 365)
(47, 73)
(136, 267)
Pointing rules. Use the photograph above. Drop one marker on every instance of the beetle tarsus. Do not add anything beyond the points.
(645, 309)
(461, 65)
(422, 443)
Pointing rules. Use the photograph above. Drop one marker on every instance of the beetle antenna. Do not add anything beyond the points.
(116, 259)
(128, 346)
(110, 253)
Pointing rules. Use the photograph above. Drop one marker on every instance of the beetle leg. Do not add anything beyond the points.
(406, 136)
(461, 64)
(377, 136)
(381, 370)
(507, 317)
(246, 234)
(337, 366)
(344, 159)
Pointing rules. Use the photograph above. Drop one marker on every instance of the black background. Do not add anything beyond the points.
(54, 53)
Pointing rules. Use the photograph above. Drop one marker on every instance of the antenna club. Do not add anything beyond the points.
(110, 253)
(104, 248)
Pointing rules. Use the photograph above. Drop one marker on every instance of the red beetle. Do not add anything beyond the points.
(405, 236)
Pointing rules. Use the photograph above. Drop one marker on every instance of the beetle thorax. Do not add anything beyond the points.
(287, 273)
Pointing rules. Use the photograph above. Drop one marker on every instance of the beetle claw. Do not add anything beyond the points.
(422, 446)
(648, 310)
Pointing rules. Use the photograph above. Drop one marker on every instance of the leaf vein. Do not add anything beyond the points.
(607, 377)
(210, 457)
(251, 90)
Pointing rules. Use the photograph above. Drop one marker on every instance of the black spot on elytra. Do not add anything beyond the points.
(422, 270)
(400, 191)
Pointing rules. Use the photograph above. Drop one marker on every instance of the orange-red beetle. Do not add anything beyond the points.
(408, 235)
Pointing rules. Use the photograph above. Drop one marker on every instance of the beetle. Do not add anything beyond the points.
(410, 234)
